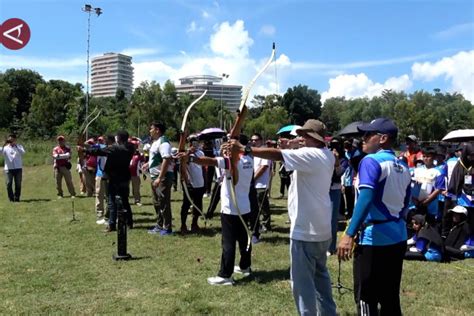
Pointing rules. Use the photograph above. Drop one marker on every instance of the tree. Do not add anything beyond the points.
(302, 104)
(23, 84)
(7, 105)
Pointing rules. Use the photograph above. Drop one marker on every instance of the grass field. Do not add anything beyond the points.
(51, 265)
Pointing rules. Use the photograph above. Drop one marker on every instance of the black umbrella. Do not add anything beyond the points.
(351, 129)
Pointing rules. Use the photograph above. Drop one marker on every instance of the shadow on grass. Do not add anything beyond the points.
(35, 200)
(143, 220)
(275, 239)
(144, 213)
(208, 231)
(262, 277)
(281, 230)
(278, 210)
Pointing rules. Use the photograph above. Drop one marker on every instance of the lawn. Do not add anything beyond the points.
(52, 265)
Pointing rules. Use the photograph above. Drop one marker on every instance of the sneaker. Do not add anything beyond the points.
(206, 195)
(195, 228)
(255, 240)
(101, 221)
(138, 204)
(244, 272)
(154, 230)
(73, 196)
(217, 280)
(183, 230)
(166, 232)
(60, 197)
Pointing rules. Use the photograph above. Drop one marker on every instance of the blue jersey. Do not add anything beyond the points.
(390, 179)
(428, 180)
(443, 169)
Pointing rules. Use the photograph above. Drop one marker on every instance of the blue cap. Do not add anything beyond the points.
(380, 125)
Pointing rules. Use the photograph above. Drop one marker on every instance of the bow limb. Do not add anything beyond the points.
(234, 133)
(181, 148)
(82, 134)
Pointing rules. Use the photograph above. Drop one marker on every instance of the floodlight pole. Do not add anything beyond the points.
(88, 9)
(224, 76)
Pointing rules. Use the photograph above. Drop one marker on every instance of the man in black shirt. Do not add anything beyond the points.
(118, 174)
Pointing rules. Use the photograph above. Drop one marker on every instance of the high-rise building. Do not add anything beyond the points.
(230, 95)
(111, 72)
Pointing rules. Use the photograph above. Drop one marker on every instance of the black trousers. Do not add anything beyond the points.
(122, 189)
(196, 195)
(264, 207)
(233, 231)
(215, 198)
(349, 198)
(377, 275)
(284, 182)
(10, 175)
(254, 209)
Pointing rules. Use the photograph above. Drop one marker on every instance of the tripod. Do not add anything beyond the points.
(341, 289)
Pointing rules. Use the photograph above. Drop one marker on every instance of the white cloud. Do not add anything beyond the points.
(139, 51)
(458, 68)
(231, 40)
(268, 30)
(151, 70)
(12, 61)
(354, 86)
(205, 14)
(455, 30)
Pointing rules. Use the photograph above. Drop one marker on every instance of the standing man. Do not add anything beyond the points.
(413, 152)
(12, 155)
(195, 186)
(160, 167)
(384, 192)
(101, 182)
(62, 167)
(118, 175)
(309, 208)
(261, 169)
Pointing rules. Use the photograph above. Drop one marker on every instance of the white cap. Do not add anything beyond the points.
(458, 209)
(174, 151)
(146, 147)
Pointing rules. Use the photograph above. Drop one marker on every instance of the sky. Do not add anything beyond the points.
(339, 48)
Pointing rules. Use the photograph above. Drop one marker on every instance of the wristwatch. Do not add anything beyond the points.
(248, 149)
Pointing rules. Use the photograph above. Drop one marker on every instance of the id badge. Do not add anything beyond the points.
(468, 179)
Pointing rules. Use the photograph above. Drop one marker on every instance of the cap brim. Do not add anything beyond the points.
(366, 128)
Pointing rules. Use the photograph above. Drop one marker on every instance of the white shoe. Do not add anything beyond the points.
(217, 280)
(244, 272)
(205, 195)
(466, 248)
(138, 204)
(101, 221)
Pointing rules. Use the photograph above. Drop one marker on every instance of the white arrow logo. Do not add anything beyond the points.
(13, 29)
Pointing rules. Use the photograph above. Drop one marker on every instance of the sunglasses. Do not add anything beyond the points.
(370, 134)
(254, 139)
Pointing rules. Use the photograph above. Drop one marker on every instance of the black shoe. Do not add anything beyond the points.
(109, 229)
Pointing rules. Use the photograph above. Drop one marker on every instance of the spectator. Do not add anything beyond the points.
(426, 244)
(384, 187)
(429, 183)
(413, 152)
(135, 167)
(461, 185)
(62, 167)
(12, 155)
(101, 194)
(89, 170)
(458, 242)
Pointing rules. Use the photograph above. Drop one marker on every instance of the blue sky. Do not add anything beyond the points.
(340, 48)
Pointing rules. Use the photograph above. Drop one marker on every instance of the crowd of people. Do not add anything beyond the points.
(417, 205)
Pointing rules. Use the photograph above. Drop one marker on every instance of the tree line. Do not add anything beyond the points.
(36, 108)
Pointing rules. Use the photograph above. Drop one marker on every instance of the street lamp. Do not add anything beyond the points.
(224, 76)
(98, 11)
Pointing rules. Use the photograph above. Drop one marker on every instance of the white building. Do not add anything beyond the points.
(111, 72)
(230, 95)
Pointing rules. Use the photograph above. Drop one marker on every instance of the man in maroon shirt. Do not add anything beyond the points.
(62, 167)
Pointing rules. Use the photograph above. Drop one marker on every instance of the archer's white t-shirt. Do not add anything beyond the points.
(245, 169)
(196, 178)
(262, 181)
(309, 205)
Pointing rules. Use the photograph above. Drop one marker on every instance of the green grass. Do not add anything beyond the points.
(51, 265)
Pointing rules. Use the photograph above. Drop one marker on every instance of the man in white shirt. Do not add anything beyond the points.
(309, 208)
(232, 216)
(261, 169)
(160, 167)
(195, 187)
(12, 155)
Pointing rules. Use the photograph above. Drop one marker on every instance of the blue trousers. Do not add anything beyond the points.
(311, 283)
